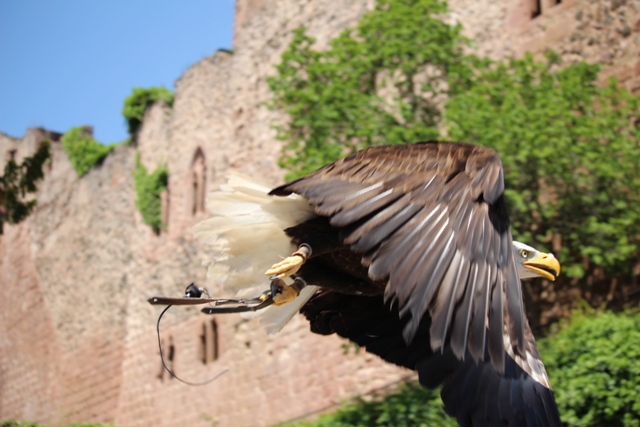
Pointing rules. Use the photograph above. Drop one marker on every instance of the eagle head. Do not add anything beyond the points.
(533, 263)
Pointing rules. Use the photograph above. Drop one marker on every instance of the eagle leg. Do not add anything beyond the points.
(283, 293)
(291, 264)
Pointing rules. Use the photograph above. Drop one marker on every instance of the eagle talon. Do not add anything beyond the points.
(281, 293)
(290, 265)
(287, 295)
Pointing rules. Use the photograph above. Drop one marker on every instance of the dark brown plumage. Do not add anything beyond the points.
(413, 250)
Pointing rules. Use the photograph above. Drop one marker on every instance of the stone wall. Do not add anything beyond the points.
(85, 348)
(60, 295)
(597, 31)
(77, 337)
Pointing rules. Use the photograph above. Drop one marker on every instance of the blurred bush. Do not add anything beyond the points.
(137, 103)
(593, 363)
(83, 151)
(409, 406)
(14, 423)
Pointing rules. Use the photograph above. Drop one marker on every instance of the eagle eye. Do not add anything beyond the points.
(524, 253)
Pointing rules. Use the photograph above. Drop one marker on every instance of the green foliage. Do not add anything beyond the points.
(17, 182)
(148, 190)
(411, 405)
(594, 367)
(380, 83)
(570, 150)
(137, 103)
(84, 152)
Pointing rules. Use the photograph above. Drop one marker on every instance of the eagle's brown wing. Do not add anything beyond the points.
(475, 393)
(430, 219)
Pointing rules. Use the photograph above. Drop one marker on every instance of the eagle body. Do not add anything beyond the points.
(412, 258)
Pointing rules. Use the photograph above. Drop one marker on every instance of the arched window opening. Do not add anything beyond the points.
(536, 9)
(209, 342)
(214, 340)
(540, 7)
(199, 179)
(203, 344)
(169, 354)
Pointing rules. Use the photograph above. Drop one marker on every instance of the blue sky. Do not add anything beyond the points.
(67, 63)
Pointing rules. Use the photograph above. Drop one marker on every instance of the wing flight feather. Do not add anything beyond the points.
(475, 393)
(429, 219)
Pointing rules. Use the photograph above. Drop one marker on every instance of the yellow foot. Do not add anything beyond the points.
(286, 267)
(288, 294)
(291, 264)
(283, 293)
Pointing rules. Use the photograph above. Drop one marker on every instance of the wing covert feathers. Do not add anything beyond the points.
(430, 219)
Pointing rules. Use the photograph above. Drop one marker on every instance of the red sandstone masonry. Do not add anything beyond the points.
(77, 338)
(27, 353)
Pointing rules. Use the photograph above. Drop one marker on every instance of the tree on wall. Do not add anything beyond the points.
(380, 83)
(570, 148)
(17, 182)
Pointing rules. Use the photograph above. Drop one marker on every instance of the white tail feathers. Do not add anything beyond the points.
(246, 234)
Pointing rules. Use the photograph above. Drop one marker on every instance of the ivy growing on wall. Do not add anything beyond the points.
(570, 147)
(137, 103)
(379, 83)
(17, 182)
(83, 151)
(149, 186)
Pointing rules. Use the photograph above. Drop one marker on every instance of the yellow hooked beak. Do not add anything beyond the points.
(544, 265)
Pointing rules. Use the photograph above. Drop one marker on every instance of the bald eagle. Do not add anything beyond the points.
(405, 250)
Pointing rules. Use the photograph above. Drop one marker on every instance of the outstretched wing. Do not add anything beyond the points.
(475, 393)
(430, 219)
